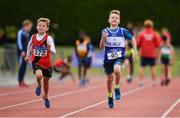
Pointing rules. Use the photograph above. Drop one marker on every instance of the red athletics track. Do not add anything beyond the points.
(68, 100)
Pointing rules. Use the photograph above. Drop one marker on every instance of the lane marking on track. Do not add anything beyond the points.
(3, 94)
(17, 92)
(27, 91)
(54, 96)
(104, 101)
(170, 108)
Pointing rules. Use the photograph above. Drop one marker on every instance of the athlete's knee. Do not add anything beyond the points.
(110, 78)
(39, 74)
(117, 68)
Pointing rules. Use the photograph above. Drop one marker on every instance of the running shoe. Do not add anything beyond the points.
(47, 103)
(110, 102)
(117, 93)
(38, 90)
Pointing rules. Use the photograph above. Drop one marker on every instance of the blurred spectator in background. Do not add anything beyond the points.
(82, 50)
(63, 67)
(165, 32)
(167, 58)
(90, 54)
(23, 38)
(3, 39)
(148, 42)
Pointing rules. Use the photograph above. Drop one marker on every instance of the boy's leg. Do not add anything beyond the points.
(110, 89)
(84, 73)
(108, 69)
(163, 74)
(153, 74)
(46, 87)
(79, 72)
(143, 64)
(167, 75)
(110, 84)
(131, 68)
(47, 73)
(39, 77)
(79, 68)
(117, 70)
(22, 71)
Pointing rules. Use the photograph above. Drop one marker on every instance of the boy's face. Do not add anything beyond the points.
(42, 27)
(114, 19)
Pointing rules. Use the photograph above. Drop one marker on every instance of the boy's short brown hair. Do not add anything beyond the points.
(44, 20)
(115, 12)
(26, 22)
(148, 23)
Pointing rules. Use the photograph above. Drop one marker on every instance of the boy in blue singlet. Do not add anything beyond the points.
(113, 41)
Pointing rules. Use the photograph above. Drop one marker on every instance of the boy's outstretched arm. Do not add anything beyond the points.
(134, 45)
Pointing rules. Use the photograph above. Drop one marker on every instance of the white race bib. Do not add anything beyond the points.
(114, 55)
(40, 52)
(165, 51)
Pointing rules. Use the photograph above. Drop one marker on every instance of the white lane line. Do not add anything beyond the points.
(19, 92)
(170, 108)
(104, 101)
(3, 94)
(55, 96)
(27, 91)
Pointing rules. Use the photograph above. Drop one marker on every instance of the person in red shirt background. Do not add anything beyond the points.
(148, 43)
(63, 67)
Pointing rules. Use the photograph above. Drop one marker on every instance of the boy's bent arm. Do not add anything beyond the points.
(52, 47)
(103, 39)
(101, 45)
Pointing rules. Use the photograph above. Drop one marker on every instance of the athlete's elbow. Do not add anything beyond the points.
(54, 52)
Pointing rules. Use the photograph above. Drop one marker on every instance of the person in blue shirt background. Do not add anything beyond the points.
(23, 38)
(113, 41)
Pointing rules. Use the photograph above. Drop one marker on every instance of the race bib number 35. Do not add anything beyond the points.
(41, 52)
(114, 55)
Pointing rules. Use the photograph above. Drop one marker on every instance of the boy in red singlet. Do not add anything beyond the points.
(40, 48)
